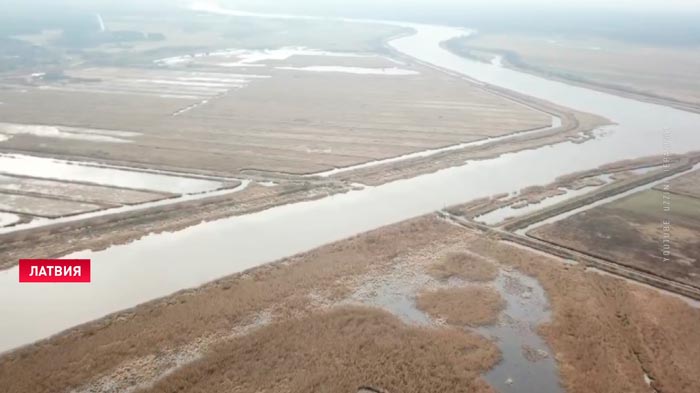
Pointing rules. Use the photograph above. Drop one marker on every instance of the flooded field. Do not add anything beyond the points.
(77, 191)
(8, 131)
(49, 168)
(8, 219)
(526, 364)
(393, 71)
(44, 207)
(211, 112)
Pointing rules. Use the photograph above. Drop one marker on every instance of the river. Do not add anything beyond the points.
(158, 265)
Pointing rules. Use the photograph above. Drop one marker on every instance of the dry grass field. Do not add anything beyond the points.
(220, 95)
(605, 333)
(631, 230)
(674, 74)
(342, 350)
(263, 118)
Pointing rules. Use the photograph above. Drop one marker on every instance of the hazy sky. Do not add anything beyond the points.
(628, 4)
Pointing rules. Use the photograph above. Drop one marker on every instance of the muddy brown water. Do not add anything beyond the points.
(157, 265)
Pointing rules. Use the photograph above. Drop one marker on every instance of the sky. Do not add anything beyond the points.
(603, 4)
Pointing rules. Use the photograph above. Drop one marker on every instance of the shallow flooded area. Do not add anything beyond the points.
(499, 215)
(527, 365)
(44, 207)
(353, 70)
(8, 219)
(50, 168)
(76, 191)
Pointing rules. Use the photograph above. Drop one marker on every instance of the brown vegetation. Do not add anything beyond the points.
(619, 68)
(341, 351)
(465, 266)
(75, 357)
(629, 231)
(468, 306)
(317, 120)
(605, 333)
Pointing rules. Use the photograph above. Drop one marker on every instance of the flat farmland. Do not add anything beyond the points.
(619, 66)
(268, 113)
(630, 231)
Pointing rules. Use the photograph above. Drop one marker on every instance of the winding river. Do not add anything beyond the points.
(158, 265)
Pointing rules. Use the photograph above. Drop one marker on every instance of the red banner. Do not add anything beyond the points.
(54, 270)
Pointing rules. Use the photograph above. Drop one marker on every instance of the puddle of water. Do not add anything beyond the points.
(49, 168)
(354, 70)
(396, 293)
(527, 307)
(8, 219)
(644, 171)
(61, 132)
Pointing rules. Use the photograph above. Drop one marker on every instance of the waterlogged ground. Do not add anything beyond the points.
(49, 168)
(526, 365)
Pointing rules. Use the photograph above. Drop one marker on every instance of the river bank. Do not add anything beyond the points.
(171, 341)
